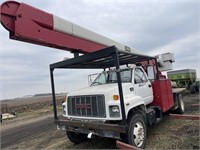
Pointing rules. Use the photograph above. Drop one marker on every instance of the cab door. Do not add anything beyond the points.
(142, 85)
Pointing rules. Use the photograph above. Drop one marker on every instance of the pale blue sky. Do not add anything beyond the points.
(153, 27)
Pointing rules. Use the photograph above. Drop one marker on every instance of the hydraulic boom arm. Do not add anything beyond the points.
(29, 24)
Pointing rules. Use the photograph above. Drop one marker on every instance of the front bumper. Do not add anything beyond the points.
(100, 129)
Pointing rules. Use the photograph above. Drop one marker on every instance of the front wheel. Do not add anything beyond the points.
(76, 138)
(137, 133)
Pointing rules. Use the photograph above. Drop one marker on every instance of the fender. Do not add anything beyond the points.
(133, 102)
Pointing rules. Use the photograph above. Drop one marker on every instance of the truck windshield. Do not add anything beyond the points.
(111, 77)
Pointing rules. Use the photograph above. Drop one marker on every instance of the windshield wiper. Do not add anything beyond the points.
(96, 82)
(111, 81)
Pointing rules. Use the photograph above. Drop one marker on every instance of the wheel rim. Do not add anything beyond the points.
(181, 103)
(138, 134)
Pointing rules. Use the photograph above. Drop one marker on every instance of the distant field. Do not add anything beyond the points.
(26, 104)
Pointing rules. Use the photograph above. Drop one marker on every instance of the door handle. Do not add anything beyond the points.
(131, 89)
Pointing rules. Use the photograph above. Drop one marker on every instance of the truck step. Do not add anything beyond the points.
(154, 115)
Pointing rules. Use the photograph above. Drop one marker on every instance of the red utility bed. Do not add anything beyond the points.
(163, 96)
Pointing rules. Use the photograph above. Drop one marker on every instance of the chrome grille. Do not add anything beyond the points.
(86, 106)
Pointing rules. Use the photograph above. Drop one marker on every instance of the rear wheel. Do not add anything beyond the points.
(136, 135)
(181, 105)
(76, 138)
(192, 89)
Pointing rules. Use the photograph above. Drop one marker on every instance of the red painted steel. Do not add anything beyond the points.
(29, 24)
(186, 117)
(122, 145)
(162, 92)
(195, 99)
(195, 105)
(146, 63)
(8, 14)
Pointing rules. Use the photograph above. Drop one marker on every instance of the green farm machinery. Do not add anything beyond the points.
(186, 78)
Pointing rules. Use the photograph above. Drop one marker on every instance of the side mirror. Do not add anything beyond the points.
(91, 78)
(150, 72)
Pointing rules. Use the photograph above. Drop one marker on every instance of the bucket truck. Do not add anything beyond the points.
(129, 95)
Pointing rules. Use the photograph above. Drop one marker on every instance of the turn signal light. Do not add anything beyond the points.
(115, 97)
(65, 99)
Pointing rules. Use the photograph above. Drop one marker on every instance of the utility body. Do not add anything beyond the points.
(129, 95)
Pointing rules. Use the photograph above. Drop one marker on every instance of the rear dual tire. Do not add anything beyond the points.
(181, 105)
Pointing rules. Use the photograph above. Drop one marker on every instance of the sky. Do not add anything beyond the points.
(151, 26)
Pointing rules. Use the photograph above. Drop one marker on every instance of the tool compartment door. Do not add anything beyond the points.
(162, 92)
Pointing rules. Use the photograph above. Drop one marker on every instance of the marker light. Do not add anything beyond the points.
(115, 97)
(65, 99)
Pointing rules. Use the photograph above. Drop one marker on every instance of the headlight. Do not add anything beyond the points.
(114, 111)
(64, 110)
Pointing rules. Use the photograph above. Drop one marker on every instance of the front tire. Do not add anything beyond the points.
(76, 138)
(137, 132)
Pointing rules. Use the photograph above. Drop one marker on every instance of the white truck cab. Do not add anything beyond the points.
(100, 101)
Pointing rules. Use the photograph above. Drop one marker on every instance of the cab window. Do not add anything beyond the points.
(139, 76)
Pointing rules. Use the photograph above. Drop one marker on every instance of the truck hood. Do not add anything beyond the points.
(99, 89)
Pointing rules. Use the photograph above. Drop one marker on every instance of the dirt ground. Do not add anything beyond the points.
(35, 129)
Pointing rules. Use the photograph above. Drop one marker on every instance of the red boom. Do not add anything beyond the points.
(29, 24)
